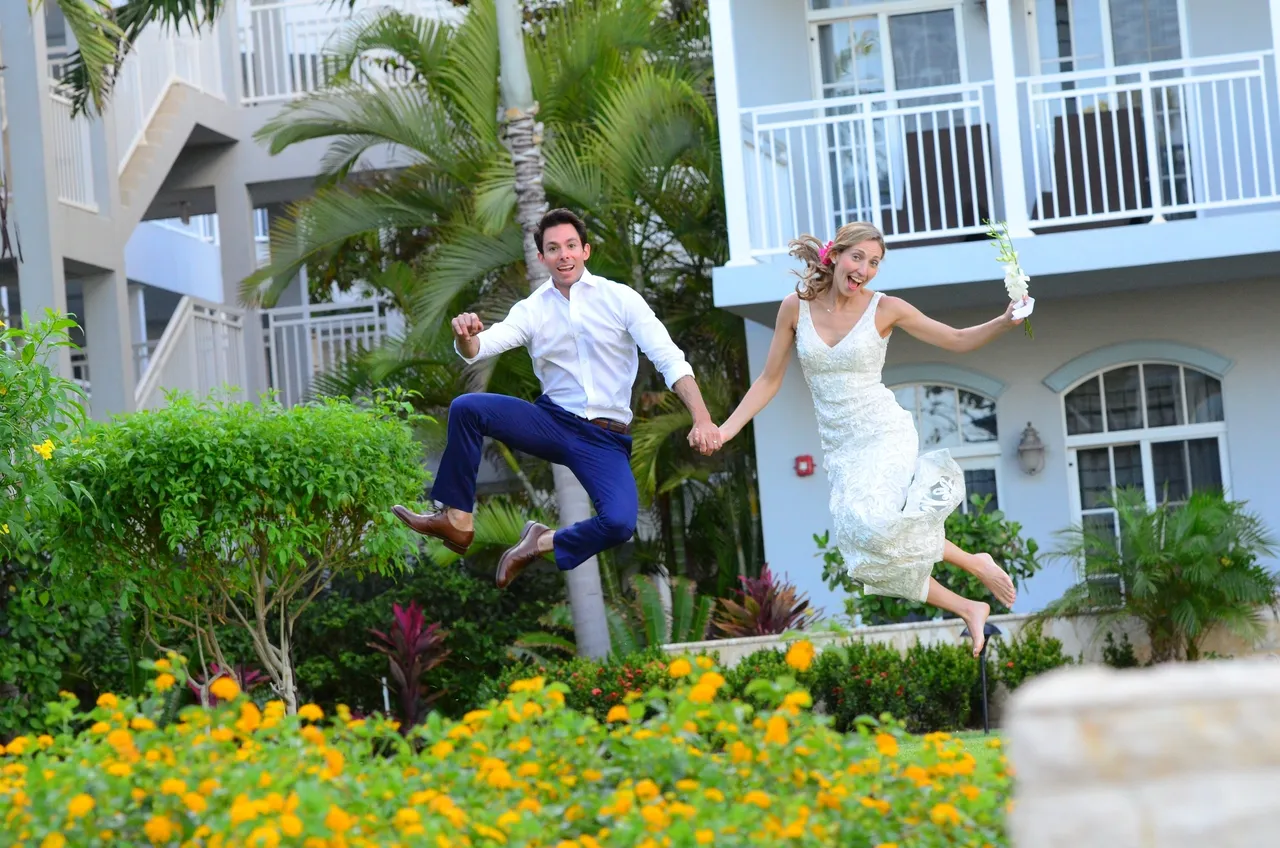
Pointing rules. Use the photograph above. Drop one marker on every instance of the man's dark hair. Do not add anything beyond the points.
(555, 218)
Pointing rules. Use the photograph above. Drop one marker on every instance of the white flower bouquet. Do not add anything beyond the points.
(1015, 280)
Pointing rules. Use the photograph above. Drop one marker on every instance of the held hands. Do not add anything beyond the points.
(705, 437)
(1009, 317)
(467, 326)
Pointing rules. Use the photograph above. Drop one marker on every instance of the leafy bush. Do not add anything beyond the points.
(526, 770)
(768, 607)
(978, 531)
(336, 666)
(214, 512)
(1119, 655)
(860, 678)
(1180, 569)
(1027, 654)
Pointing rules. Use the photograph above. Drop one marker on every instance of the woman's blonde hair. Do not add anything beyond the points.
(820, 259)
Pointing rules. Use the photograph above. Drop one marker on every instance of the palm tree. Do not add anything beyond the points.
(628, 136)
(104, 36)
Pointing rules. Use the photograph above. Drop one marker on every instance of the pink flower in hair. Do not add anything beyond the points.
(825, 253)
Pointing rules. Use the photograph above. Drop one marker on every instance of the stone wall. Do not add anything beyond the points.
(1081, 637)
(1175, 756)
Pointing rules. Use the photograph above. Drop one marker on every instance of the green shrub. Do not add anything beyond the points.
(978, 531)
(761, 665)
(860, 679)
(940, 683)
(1026, 655)
(215, 512)
(526, 770)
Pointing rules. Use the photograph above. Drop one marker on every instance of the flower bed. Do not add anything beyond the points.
(678, 766)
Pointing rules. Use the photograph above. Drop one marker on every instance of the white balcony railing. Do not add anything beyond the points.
(72, 155)
(916, 163)
(1198, 129)
(283, 45)
(304, 341)
(201, 352)
(160, 57)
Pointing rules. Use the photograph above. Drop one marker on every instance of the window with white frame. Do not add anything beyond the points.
(1156, 427)
(964, 422)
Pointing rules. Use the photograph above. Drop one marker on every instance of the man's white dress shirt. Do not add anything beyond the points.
(584, 346)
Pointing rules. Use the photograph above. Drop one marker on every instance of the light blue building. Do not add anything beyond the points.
(1132, 146)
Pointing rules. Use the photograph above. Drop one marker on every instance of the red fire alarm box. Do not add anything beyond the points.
(804, 465)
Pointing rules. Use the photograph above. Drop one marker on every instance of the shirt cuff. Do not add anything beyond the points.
(479, 352)
(676, 372)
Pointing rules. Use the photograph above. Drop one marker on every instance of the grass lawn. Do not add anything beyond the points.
(975, 742)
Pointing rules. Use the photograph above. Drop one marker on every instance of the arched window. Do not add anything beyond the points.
(1154, 426)
(964, 422)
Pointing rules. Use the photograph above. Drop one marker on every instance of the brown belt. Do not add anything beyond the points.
(611, 425)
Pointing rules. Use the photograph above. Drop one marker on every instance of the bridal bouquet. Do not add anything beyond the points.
(1015, 281)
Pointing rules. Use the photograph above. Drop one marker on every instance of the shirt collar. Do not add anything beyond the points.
(587, 277)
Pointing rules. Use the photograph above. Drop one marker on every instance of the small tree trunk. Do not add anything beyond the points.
(523, 138)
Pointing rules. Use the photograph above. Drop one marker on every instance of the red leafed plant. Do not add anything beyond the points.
(413, 648)
(766, 607)
(245, 677)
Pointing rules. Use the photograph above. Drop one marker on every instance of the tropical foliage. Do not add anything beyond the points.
(1182, 569)
(628, 138)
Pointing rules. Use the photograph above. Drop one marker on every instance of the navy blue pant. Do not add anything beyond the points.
(599, 458)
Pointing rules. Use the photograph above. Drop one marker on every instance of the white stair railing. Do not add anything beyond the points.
(305, 341)
(159, 58)
(72, 155)
(200, 352)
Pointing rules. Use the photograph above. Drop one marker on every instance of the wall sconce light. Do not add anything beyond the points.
(804, 466)
(1031, 451)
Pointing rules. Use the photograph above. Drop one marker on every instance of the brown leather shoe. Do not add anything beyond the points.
(518, 557)
(437, 525)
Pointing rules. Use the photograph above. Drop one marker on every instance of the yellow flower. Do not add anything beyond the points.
(796, 701)
(618, 713)
(887, 845)
(173, 786)
(291, 825)
(702, 694)
(4, 529)
(45, 741)
(800, 655)
(705, 662)
(250, 718)
(592, 775)
(225, 689)
(533, 684)
(705, 836)
(760, 799)
(714, 795)
(45, 448)
(80, 806)
(195, 803)
(159, 829)
(162, 665)
(711, 679)
(108, 701)
(310, 712)
(165, 682)
(887, 745)
(647, 790)
(680, 668)
(19, 745)
(208, 786)
(54, 840)
(119, 770)
(944, 814)
(777, 731)
(442, 749)
(338, 821)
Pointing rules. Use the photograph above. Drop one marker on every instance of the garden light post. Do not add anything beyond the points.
(988, 631)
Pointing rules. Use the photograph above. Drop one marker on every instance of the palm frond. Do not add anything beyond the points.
(471, 76)
(464, 257)
(413, 49)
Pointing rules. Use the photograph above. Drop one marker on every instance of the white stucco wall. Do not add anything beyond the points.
(1236, 321)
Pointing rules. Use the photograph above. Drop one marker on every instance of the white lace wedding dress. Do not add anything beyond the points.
(888, 500)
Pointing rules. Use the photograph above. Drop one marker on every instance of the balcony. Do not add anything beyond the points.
(1092, 142)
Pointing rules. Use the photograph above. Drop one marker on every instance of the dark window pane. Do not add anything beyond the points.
(1128, 464)
(981, 481)
(1084, 409)
(938, 417)
(1169, 465)
(1164, 395)
(977, 417)
(1095, 477)
(1206, 467)
(1204, 398)
(1124, 401)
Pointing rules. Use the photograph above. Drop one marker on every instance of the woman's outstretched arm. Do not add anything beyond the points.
(957, 340)
(775, 368)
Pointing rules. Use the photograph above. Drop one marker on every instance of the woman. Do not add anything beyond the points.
(889, 502)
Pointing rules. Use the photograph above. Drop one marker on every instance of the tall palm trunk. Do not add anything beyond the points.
(523, 138)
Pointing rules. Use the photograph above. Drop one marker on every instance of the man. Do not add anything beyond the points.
(582, 332)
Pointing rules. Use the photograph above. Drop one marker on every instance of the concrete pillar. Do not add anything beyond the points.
(1008, 119)
(138, 328)
(34, 215)
(1181, 755)
(730, 120)
(106, 322)
(239, 260)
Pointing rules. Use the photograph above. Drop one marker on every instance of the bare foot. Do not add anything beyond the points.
(997, 581)
(975, 618)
